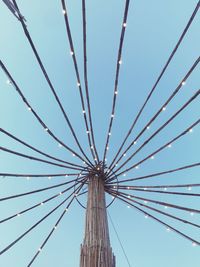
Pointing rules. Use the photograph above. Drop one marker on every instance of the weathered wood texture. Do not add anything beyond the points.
(96, 250)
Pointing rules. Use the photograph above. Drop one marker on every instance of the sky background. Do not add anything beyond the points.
(153, 28)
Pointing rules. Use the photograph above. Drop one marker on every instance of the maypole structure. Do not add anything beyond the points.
(96, 250)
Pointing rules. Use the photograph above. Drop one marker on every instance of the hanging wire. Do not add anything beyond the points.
(55, 226)
(41, 203)
(158, 150)
(119, 62)
(159, 77)
(86, 78)
(37, 116)
(38, 159)
(160, 110)
(160, 221)
(35, 149)
(34, 225)
(162, 127)
(48, 80)
(130, 187)
(37, 175)
(77, 76)
(38, 190)
(158, 173)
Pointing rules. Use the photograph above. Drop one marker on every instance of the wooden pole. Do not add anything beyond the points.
(96, 250)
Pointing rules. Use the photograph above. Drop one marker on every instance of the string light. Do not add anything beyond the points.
(124, 174)
(55, 227)
(165, 189)
(146, 216)
(183, 82)
(60, 193)
(39, 249)
(29, 108)
(192, 213)
(105, 159)
(152, 157)
(87, 132)
(41, 203)
(168, 229)
(71, 53)
(148, 127)
(73, 155)
(84, 111)
(128, 207)
(109, 133)
(135, 142)
(166, 207)
(27, 178)
(46, 129)
(169, 146)
(92, 147)
(190, 130)
(124, 24)
(189, 188)
(8, 82)
(194, 244)
(107, 147)
(124, 154)
(64, 11)
(120, 62)
(78, 84)
(60, 145)
(116, 164)
(49, 177)
(18, 214)
(112, 115)
(164, 108)
(137, 167)
(66, 210)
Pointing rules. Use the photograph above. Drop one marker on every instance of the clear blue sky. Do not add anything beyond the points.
(153, 28)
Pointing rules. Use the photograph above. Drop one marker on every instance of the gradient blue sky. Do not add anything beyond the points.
(153, 29)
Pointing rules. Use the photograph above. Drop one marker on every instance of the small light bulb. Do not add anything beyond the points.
(28, 178)
(46, 129)
(87, 132)
(169, 146)
(165, 188)
(166, 207)
(41, 203)
(39, 249)
(183, 82)
(59, 145)
(124, 24)
(168, 229)
(190, 130)
(194, 244)
(120, 62)
(29, 108)
(112, 115)
(128, 187)
(71, 53)
(107, 147)
(109, 133)
(55, 227)
(124, 174)
(18, 214)
(128, 207)
(116, 164)
(84, 111)
(146, 216)
(164, 108)
(192, 213)
(64, 11)
(49, 177)
(152, 157)
(8, 82)
(66, 210)
(137, 167)
(124, 154)
(189, 188)
(148, 127)
(92, 147)
(145, 202)
(73, 155)
(105, 159)
(60, 193)
(116, 92)
(78, 84)
(135, 142)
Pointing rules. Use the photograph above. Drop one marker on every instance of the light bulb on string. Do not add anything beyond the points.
(146, 216)
(152, 157)
(55, 227)
(183, 83)
(112, 115)
(135, 142)
(78, 84)
(148, 127)
(49, 177)
(194, 244)
(39, 249)
(120, 62)
(71, 53)
(190, 130)
(64, 11)
(137, 167)
(189, 188)
(124, 24)
(41, 203)
(8, 82)
(116, 92)
(192, 213)
(60, 145)
(164, 108)
(169, 146)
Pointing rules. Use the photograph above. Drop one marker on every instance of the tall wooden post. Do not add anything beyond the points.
(96, 250)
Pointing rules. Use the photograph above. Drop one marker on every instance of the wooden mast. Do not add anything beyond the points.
(96, 250)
